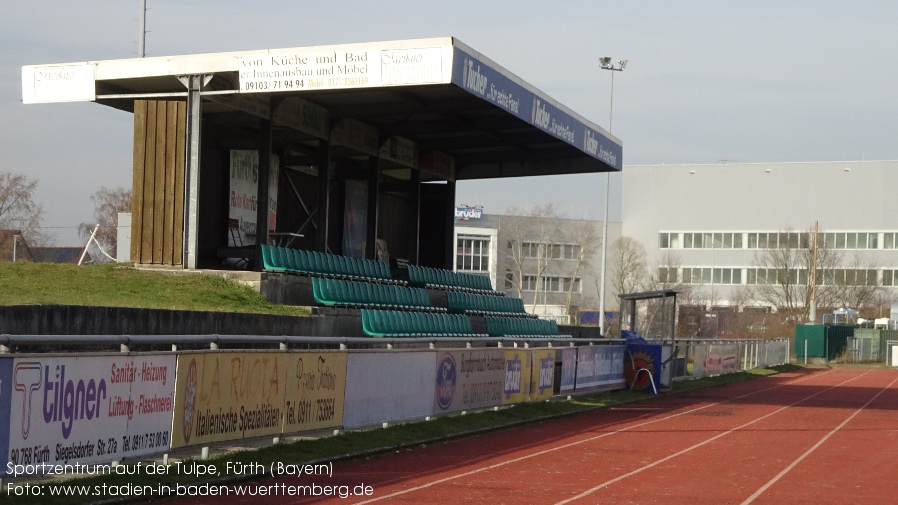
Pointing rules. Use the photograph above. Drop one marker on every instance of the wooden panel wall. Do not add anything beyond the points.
(157, 209)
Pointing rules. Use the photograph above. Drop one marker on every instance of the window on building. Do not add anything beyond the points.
(667, 275)
(472, 253)
(571, 252)
(551, 284)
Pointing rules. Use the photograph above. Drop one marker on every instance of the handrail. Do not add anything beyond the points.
(213, 340)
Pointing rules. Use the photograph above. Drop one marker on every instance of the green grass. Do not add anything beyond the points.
(401, 437)
(117, 285)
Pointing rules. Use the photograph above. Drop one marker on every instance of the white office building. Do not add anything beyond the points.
(552, 264)
(714, 228)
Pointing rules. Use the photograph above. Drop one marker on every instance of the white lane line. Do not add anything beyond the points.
(700, 444)
(572, 444)
(795, 463)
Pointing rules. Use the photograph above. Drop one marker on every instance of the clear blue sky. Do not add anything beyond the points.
(707, 80)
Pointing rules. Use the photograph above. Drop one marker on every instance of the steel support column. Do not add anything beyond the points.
(321, 214)
(450, 245)
(414, 213)
(373, 197)
(263, 181)
(195, 85)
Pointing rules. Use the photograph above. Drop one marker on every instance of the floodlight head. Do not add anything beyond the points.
(605, 62)
(622, 64)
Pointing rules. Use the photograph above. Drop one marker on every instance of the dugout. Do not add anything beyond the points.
(362, 143)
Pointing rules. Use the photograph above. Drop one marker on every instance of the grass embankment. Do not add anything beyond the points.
(118, 285)
(399, 437)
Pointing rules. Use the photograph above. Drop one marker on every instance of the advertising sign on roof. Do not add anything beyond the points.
(59, 83)
(336, 68)
(480, 78)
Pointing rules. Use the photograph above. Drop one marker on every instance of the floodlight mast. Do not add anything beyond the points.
(141, 44)
(605, 64)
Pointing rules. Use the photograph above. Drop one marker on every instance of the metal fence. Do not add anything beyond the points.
(695, 358)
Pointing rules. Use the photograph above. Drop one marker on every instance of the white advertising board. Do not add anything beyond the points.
(715, 359)
(58, 83)
(468, 379)
(90, 409)
(341, 67)
(244, 195)
(387, 387)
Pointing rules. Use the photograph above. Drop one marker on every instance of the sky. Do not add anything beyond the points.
(706, 81)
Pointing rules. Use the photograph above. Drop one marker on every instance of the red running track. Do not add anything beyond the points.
(813, 436)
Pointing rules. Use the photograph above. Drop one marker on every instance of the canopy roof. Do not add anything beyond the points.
(440, 97)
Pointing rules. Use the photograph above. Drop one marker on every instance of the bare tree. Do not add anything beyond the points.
(855, 286)
(589, 240)
(627, 262)
(18, 210)
(108, 202)
(529, 233)
(781, 274)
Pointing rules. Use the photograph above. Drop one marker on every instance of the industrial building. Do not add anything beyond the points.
(721, 232)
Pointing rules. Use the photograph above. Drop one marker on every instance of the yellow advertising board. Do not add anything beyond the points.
(316, 383)
(228, 395)
(517, 376)
(542, 376)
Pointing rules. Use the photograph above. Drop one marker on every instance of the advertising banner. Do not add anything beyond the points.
(89, 409)
(355, 220)
(5, 399)
(715, 360)
(568, 370)
(336, 67)
(645, 356)
(387, 387)
(518, 368)
(487, 81)
(228, 395)
(316, 383)
(244, 196)
(600, 368)
(542, 375)
(469, 379)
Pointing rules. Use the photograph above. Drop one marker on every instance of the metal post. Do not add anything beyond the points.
(602, 329)
(141, 45)
(321, 216)
(195, 85)
(373, 196)
(263, 182)
(607, 65)
(414, 213)
(805, 351)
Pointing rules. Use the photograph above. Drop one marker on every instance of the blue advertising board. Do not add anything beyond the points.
(487, 81)
(600, 368)
(568, 369)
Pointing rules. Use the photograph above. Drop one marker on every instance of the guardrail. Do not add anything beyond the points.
(694, 358)
(125, 343)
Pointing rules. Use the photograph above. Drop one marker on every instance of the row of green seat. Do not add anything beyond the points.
(447, 279)
(284, 259)
(395, 323)
(473, 303)
(328, 291)
(519, 326)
